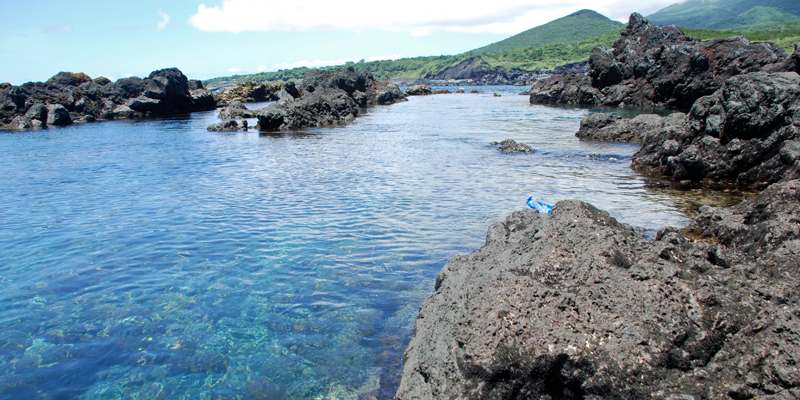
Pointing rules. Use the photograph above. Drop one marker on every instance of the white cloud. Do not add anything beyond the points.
(235, 70)
(503, 16)
(164, 20)
(261, 68)
(326, 63)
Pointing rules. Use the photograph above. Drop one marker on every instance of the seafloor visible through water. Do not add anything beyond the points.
(154, 259)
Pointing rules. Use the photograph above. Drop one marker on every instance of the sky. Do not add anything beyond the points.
(212, 38)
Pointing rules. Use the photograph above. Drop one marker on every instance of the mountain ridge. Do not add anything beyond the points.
(578, 26)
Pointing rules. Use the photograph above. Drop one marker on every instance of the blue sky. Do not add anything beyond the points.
(211, 38)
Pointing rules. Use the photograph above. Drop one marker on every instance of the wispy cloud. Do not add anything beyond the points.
(235, 70)
(164, 20)
(503, 16)
(57, 30)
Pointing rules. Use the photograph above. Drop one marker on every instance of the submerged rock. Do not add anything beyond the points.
(228, 126)
(236, 109)
(659, 66)
(511, 146)
(419, 90)
(575, 304)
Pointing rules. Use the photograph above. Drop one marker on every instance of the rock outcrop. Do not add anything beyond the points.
(328, 98)
(236, 109)
(69, 97)
(419, 90)
(511, 146)
(659, 66)
(575, 305)
(228, 126)
(746, 134)
(249, 92)
(476, 71)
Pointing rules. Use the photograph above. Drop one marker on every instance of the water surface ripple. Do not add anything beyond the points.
(155, 259)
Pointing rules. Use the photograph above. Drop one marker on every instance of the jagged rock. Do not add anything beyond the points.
(742, 134)
(58, 115)
(658, 66)
(195, 84)
(511, 146)
(203, 100)
(124, 88)
(228, 126)
(328, 98)
(322, 107)
(236, 109)
(250, 92)
(102, 80)
(385, 93)
(574, 304)
(564, 89)
(419, 90)
(69, 79)
(164, 92)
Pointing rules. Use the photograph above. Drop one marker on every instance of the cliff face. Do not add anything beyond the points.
(577, 305)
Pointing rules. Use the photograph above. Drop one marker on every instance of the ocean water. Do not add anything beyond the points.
(157, 260)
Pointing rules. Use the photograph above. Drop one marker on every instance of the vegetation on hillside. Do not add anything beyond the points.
(544, 57)
(728, 14)
(576, 27)
(527, 58)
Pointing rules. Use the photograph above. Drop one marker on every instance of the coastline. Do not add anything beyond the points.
(574, 304)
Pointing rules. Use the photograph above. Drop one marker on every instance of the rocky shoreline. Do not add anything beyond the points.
(68, 98)
(476, 72)
(575, 304)
(324, 98)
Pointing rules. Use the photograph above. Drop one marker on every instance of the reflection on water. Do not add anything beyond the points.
(155, 259)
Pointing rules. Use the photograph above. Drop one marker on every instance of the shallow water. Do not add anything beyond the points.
(155, 259)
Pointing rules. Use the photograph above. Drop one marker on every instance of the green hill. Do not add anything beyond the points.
(563, 41)
(728, 14)
(576, 27)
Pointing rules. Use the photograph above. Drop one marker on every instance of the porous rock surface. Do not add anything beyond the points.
(249, 92)
(328, 98)
(659, 66)
(746, 134)
(69, 97)
(576, 305)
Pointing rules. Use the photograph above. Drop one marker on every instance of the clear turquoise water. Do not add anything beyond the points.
(155, 259)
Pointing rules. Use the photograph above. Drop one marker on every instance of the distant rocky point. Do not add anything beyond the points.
(477, 72)
(327, 98)
(69, 97)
